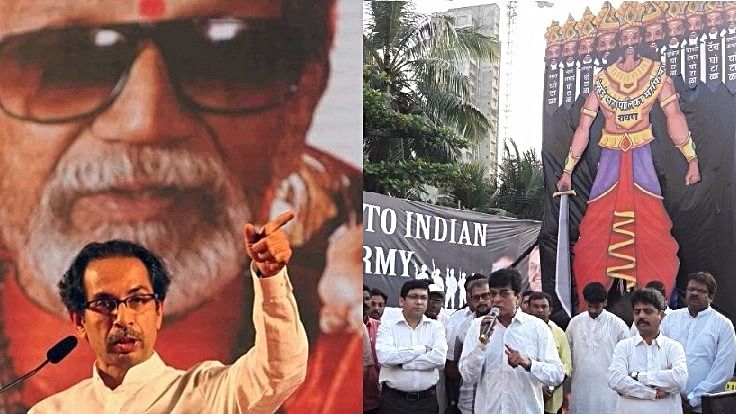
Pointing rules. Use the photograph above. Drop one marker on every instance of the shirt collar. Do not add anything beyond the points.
(599, 318)
(638, 339)
(142, 372)
(421, 321)
(705, 312)
(520, 316)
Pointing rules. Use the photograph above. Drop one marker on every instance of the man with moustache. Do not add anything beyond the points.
(366, 301)
(378, 303)
(480, 298)
(659, 287)
(411, 350)
(540, 306)
(168, 127)
(592, 336)
(435, 303)
(708, 338)
(648, 370)
(511, 365)
(524, 303)
(625, 233)
(653, 24)
(129, 376)
(453, 379)
(607, 26)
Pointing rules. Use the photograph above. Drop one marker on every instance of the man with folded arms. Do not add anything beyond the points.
(648, 370)
(411, 350)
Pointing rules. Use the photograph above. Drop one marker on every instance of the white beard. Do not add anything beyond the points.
(201, 254)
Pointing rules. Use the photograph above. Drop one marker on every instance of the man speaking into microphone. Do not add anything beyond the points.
(509, 357)
(115, 294)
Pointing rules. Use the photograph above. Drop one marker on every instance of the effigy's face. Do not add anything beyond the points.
(675, 29)
(570, 49)
(731, 15)
(630, 37)
(586, 46)
(694, 25)
(714, 20)
(605, 42)
(552, 54)
(653, 34)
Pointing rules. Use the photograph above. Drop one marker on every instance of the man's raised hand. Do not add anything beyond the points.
(269, 247)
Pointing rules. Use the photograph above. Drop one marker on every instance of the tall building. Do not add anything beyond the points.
(484, 80)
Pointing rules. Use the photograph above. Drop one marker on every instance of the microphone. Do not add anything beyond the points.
(486, 328)
(61, 349)
(54, 355)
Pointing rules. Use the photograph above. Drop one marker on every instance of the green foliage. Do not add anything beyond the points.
(474, 190)
(418, 55)
(417, 114)
(403, 152)
(521, 189)
(401, 178)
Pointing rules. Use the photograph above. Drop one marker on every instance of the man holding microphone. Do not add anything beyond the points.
(509, 356)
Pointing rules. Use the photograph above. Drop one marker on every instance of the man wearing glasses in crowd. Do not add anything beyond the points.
(708, 338)
(129, 376)
(411, 350)
(453, 381)
(480, 300)
(519, 355)
(168, 123)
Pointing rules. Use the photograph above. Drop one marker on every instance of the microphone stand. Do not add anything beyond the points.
(54, 355)
(23, 378)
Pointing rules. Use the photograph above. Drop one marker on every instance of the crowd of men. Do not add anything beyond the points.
(503, 354)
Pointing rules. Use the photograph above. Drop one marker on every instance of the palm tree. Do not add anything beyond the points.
(419, 56)
(474, 190)
(521, 188)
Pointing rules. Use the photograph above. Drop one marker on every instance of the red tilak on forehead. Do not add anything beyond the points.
(151, 8)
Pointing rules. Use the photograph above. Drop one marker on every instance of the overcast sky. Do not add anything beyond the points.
(527, 58)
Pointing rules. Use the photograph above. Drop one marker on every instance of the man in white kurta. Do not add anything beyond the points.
(518, 358)
(592, 336)
(648, 370)
(659, 287)
(460, 317)
(708, 338)
(480, 299)
(129, 376)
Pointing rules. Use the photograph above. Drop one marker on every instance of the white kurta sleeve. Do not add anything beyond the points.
(673, 379)
(618, 375)
(548, 369)
(721, 369)
(262, 379)
(473, 356)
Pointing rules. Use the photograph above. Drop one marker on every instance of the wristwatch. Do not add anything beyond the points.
(635, 375)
